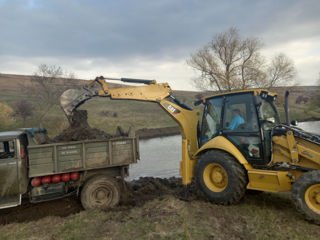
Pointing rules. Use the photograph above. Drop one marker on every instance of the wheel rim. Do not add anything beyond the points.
(102, 195)
(312, 198)
(215, 177)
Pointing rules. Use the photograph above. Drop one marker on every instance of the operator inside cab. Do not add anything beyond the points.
(236, 120)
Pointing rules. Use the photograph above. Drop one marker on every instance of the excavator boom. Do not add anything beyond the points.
(71, 99)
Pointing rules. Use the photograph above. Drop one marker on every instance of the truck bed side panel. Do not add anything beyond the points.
(78, 156)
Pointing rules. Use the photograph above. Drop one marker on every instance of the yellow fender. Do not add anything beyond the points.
(224, 144)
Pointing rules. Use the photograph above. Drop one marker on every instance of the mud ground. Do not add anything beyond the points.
(135, 193)
(156, 208)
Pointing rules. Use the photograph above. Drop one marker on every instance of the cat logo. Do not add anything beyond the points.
(171, 109)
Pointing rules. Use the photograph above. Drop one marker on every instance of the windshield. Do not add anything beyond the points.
(269, 115)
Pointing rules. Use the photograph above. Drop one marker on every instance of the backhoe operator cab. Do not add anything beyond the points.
(245, 119)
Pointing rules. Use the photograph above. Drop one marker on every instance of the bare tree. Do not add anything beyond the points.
(23, 109)
(281, 71)
(46, 88)
(231, 62)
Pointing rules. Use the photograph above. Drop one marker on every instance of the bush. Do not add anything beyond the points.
(6, 117)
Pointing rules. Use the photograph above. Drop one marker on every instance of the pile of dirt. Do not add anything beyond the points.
(149, 188)
(80, 129)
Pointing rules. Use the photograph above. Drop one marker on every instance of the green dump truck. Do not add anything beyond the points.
(91, 169)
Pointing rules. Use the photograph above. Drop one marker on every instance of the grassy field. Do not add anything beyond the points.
(263, 216)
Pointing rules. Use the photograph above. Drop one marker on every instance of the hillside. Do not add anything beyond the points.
(107, 115)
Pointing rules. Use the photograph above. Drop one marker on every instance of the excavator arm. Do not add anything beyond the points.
(152, 91)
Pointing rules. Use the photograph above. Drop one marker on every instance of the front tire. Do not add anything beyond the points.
(100, 192)
(221, 177)
(306, 195)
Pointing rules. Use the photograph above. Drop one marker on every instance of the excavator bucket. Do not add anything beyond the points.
(73, 98)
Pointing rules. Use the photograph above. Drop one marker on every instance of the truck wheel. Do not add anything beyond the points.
(306, 195)
(221, 177)
(100, 192)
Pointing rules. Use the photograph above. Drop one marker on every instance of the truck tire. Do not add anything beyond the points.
(221, 177)
(100, 192)
(306, 195)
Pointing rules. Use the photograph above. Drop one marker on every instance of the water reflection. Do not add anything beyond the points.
(159, 157)
(313, 126)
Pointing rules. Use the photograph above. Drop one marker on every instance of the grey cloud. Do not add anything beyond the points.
(155, 29)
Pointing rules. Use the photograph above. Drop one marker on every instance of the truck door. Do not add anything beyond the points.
(9, 184)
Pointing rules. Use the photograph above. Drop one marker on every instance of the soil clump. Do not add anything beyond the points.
(79, 129)
(148, 188)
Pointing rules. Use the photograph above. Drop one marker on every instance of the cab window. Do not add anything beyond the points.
(7, 149)
(211, 121)
(268, 115)
(240, 114)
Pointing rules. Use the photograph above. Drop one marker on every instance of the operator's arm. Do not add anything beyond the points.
(233, 124)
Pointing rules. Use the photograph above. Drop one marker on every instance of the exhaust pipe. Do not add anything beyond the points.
(286, 107)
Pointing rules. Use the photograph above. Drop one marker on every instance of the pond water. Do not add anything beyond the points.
(160, 157)
(313, 126)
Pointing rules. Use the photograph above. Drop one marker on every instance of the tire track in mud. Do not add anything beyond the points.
(136, 193)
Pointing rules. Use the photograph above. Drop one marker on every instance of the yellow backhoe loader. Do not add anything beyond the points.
(237, 143)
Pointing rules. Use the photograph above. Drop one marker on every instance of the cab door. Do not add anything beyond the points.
(211, 120)
(241, 126)
(9, 184)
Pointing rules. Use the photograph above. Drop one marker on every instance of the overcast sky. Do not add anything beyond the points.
(148, 38)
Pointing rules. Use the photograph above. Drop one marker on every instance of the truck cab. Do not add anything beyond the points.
(13, 168)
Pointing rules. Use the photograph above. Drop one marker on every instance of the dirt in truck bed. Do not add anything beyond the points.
(79, 129)
(138, 193)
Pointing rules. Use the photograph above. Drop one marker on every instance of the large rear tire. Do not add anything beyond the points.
(306, 195)
(221, 177)
(100, 192)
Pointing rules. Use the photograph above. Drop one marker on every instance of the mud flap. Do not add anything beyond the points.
(10, 201)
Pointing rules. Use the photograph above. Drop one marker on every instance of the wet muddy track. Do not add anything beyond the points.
(137, 193)
(31, 212)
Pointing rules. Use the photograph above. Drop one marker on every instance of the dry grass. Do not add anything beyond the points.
(264, 216)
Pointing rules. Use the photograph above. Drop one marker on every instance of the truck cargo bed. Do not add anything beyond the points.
(55, 158)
